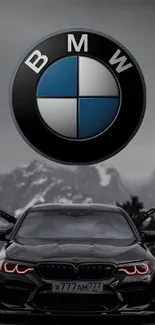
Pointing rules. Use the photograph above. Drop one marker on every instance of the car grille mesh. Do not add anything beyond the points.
(15, 297)
(53, 302)
(70, 271)
(16, 293)
(135, 294)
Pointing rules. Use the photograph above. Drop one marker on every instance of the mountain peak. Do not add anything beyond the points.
(39, 183)
(35, 165)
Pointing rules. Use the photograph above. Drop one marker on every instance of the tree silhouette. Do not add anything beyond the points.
(133, 207)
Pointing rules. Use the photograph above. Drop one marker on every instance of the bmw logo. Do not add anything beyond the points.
(78, 97)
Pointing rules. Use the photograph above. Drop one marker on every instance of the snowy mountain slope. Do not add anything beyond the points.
(38, 183)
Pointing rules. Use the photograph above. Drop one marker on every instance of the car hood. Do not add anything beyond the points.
(80, 251)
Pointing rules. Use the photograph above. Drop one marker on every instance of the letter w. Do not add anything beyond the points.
(121, 60)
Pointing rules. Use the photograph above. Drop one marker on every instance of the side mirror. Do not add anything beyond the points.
(4, 233)
(148, 236)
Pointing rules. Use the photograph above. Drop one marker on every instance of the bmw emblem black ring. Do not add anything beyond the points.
(78, 97)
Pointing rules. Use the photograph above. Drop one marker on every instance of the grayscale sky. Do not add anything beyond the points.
(131, 22)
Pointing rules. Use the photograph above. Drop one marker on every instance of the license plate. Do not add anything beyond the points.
(77, 287)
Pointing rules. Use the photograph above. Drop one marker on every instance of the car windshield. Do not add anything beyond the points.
(108, 226)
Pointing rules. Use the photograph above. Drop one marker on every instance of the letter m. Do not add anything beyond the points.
(72, 42)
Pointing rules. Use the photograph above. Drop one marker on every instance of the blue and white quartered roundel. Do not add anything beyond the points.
(78, 97)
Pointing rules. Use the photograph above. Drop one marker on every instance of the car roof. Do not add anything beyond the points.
(80, 206)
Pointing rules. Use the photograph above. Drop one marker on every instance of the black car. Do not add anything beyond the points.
(75, 259)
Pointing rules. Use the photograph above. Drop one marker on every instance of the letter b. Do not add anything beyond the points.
(43, 59)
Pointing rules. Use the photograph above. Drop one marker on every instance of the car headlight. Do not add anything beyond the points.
(14, 268)
(136, 268)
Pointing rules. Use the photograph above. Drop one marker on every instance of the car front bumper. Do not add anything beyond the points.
(31, 295)
(145, 310)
